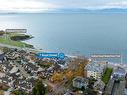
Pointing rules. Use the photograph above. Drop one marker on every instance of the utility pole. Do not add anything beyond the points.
(121, 58)
(5, 34)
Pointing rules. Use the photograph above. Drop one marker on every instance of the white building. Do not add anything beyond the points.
(95, 69)
(99, 86)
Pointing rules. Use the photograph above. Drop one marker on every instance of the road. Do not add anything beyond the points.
(58, 89)
(22, 71)
(118, 88)
(109, 87)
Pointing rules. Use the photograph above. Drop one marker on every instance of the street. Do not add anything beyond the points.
(118, 88)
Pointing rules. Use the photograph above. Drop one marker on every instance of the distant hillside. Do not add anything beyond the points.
(108, 10)
(74, 10)
(116, 10)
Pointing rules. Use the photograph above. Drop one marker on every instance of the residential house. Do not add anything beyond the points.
(99, 86)
(80, 82)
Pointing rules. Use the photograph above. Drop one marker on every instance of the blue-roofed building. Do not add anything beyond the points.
(95, 69)
(119, 74)
(2, 57)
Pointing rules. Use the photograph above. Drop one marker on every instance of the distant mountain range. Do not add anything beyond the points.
(106, 10)
(74, 10)
(119, 10)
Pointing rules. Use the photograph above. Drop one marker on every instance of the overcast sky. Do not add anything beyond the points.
(36, 5)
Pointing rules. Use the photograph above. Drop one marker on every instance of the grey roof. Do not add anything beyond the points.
(99, 84)
(5, 79)
(32, 81)
(80, 79)
(120, 71)
(25, 86)
(8, 66)
(95, 67)
(30, 65)
(14, 75)
(2, 56)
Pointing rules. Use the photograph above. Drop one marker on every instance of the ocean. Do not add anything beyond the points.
(74, 34)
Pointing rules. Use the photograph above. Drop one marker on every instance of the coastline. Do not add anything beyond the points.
(15, 39)
(33, 48)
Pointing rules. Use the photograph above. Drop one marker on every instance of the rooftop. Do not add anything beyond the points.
(120, 70)
(95, 66)
(80, 79)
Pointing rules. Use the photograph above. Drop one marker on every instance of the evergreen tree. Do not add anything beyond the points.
(39, 88)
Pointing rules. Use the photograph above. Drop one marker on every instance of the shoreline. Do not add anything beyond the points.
(34, 49)
(15, 39)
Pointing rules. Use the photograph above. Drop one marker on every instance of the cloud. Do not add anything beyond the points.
(122, 4)
(43, 5)
(118, 4)
(90, 4)
(26, 5)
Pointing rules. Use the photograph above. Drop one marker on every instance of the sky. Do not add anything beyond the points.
(44, 5)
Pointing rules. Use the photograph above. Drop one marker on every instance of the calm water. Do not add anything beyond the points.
(73, 33)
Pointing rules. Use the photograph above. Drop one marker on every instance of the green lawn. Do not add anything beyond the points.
(14, 43)
(106, 75)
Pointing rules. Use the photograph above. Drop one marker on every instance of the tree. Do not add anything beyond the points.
(90, 91)
(57, 77)
(19, 92)
(39, 88)
(5, 49)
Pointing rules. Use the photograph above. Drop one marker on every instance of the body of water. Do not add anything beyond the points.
(83, 34)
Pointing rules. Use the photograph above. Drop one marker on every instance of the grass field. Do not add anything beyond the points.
(14, 43)
(107, 75)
